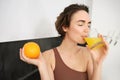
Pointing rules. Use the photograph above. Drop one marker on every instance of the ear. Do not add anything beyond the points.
(65, 29)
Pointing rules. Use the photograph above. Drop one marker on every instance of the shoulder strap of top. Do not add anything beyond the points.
(57, 56)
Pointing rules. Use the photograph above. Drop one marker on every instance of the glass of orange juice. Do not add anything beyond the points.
(93, 41)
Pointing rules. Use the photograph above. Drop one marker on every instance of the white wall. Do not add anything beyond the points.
(105, 17)
(28, 19)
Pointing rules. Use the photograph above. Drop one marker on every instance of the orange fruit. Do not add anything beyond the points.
(31, 50)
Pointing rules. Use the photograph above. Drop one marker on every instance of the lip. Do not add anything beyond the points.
(84, 37)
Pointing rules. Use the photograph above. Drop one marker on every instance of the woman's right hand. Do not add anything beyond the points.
(40, 62)
(37, 62)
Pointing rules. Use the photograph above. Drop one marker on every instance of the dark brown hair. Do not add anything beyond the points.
(65, 17)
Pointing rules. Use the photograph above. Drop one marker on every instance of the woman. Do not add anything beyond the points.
(69, 61)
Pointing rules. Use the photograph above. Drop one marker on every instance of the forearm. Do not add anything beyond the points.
(44, 73)
(97, 72)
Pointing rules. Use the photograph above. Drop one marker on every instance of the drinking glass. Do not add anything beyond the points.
(93, 41)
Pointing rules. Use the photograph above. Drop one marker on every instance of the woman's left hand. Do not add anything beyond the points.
(99, 54)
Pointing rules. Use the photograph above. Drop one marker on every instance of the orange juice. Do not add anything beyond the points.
(94, 43)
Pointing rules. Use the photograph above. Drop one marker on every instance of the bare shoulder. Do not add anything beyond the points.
(49, 57)
(48, 54)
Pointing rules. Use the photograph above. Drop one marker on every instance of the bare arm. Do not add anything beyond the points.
(94, 70)
(48, 61)
(96, 61)
(42, 64)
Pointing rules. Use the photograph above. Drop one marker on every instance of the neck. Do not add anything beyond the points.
(69, 46)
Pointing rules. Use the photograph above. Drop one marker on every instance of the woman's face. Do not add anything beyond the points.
(79, 27)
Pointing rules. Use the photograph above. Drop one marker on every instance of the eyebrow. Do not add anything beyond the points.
(83, 21)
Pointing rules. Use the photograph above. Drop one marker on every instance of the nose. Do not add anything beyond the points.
(87, 29)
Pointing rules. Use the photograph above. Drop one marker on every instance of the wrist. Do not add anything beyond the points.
(97, 64)
(43, 72)
(41, 66)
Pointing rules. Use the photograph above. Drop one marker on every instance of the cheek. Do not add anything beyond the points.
(75, 34)
(76, 31)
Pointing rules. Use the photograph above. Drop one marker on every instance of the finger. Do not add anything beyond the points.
(101, 36)
(105, 42)
(106, 45)
(20, 52)
(21, 57)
